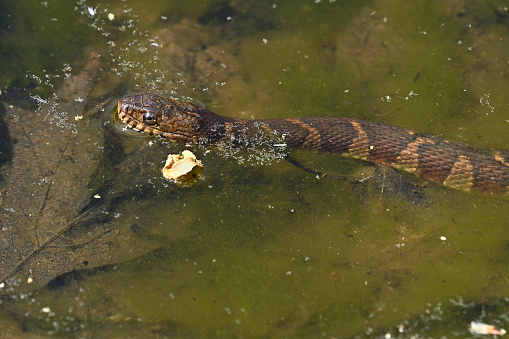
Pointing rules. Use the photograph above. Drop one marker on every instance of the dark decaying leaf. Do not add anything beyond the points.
(51, 223)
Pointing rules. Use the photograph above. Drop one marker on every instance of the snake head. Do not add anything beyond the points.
(170, 119)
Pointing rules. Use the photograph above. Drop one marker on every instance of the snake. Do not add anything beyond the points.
(447, 162)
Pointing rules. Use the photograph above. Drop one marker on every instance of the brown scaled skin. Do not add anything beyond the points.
(443, 161)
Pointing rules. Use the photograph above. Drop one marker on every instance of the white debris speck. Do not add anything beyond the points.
(443, 238)
(288, 273)
(111, 16)
(264, 40)
(46, 309)
(481, 328)
(97, 196)
(92, 11)
(30, 280)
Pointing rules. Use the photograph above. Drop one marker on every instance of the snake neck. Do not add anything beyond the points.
(237, 133)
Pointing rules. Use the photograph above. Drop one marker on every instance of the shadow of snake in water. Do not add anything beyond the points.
(439, 160)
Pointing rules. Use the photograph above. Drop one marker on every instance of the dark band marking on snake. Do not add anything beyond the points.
(447, 162)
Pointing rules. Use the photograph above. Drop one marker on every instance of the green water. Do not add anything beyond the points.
(272, 250)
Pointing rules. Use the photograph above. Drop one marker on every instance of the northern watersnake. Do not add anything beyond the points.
(439, 160)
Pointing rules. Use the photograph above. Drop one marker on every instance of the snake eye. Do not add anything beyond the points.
(149, 118)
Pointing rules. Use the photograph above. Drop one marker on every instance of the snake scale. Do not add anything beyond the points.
(447, 162)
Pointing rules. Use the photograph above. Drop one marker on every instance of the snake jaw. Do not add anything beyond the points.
(137, 125)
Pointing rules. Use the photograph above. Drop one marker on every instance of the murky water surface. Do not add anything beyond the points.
(95, 243)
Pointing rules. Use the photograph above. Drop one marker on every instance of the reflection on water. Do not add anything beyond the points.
(110, 248)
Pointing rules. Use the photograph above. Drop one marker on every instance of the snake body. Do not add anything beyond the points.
(436, 159)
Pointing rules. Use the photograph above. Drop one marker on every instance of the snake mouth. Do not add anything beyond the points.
(137, 125)
(132, 122)
(125, 114)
